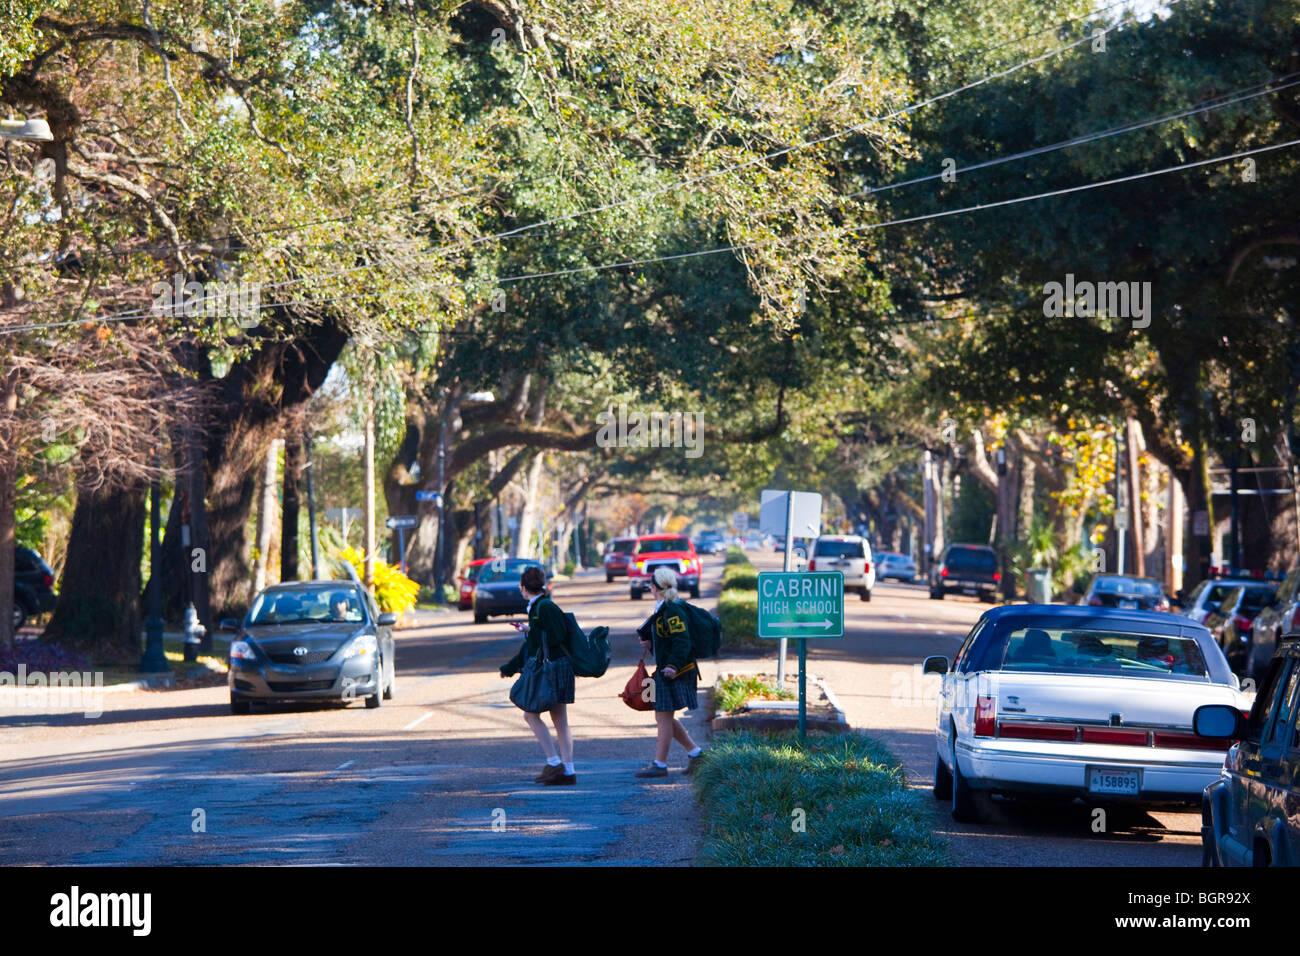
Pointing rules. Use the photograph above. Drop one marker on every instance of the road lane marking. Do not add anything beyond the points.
(344, 766)
(418, 720)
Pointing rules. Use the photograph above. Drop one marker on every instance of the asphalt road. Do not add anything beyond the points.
(443, 773)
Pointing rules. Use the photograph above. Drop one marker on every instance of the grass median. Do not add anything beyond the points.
(832, 800)
(738, 602)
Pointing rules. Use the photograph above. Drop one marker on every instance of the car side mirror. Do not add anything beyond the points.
(387, 619)
(935, 665)
(1220, 721)
(229, 625)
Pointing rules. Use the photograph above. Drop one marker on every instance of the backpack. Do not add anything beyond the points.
(588, 653)
(706, 631)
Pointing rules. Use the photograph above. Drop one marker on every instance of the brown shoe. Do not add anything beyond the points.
(692, 763)
(549, 773)
(652, 769)
(562, 780)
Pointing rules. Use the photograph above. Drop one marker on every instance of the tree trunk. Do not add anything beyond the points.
(265, 518)
(98, 612)
(8, 498)
(292, 498)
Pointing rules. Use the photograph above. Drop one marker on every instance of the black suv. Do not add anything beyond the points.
(966, 569)
(33, 586)
(1250, 816)
(1277, 618)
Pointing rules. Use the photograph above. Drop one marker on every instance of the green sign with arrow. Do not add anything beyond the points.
(799, 604)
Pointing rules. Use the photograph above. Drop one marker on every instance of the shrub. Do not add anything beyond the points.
(394, 591)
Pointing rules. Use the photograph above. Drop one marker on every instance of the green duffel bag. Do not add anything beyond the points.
(589, 653)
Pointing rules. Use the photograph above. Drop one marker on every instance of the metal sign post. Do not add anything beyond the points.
(400, 524)
(780, 512)
(800, 605)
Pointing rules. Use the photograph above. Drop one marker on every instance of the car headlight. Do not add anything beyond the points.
(360, 646)
(242, 651)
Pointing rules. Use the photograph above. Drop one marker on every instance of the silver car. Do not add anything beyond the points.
(312, 640)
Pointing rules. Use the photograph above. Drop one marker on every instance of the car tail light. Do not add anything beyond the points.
(1243, 623)
(1036, 731)
(812, 564)
(1094, 601)
(997, 576)
(943, 572)
(985, 716)
(1110, 735)
(47, 580)
(866, 568)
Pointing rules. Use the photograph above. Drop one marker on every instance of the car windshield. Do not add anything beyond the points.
(1255, 599)
(320, 605)
(658, 545)
(510, 571)
(971, 559)
(1074, 651)
(1140, 586)
(622, 547)
(839, 549)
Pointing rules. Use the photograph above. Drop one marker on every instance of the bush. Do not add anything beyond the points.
(738, 602)
(731, 694)
(857, 809)
(42, 657)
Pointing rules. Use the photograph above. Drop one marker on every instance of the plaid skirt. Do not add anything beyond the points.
(678, 693)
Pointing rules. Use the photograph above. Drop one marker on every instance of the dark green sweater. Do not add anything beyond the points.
(672, 637)
(544, 618)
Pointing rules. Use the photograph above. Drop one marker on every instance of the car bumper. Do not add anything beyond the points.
(494, 608)
(616, 569)
(353, 679)
(1165, 775)
(642, 581)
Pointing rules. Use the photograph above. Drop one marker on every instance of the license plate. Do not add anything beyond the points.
(1128, 605)
(1113, 780)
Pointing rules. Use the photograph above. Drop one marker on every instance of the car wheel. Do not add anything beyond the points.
(965, 807)
(989, 597)
(635, 594)
(865, 594)
(20, 615)
(936, 595)
(609, 579)
(238, 706)
(377, 698)
(480, 618)
(695, 591)
(942, 779)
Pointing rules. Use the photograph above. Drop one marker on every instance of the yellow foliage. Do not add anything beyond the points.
(394, 591)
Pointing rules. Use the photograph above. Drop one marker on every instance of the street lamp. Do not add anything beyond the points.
(28, 130)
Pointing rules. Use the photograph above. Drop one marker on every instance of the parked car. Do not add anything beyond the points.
(497, 592)
(966, 569)
(1078, 701)
(1234, 620)
(33, 586)
(618, 554)
(1250, 815)
(468, 579)
(1281, 616)
(312, 640)
(656, 550)
(1125, 592)
(849, 554)
(1208, 595)
(900, 567)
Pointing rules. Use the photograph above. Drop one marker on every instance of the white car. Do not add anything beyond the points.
(849, 554)
(1209, 594)
(1077, 701)
(893, 565)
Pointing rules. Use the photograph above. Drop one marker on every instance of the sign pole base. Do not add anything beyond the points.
(803, 689)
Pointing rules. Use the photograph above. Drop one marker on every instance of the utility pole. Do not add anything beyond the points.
(369, 480)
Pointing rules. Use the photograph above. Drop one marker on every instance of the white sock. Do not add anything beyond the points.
(568, 770)
(660, 763)
(553, 761)
(695, 753)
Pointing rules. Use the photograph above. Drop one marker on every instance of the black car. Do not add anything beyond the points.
(1281, 616)
(966, 569)
(1126, 592)
(312, 640)
(497, 591)
(710, 542)
(33, 586)
(1250, 816)
(1232, 622)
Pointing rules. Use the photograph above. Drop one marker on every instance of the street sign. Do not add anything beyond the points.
(798, 604)
(402, 521)
(740, 521)
(344, 515)
(807, 512)
(1121, 519)
(426, 496)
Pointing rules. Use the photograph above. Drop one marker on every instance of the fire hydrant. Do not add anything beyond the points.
(194, 632)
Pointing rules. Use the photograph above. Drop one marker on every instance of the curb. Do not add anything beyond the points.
(838, 724)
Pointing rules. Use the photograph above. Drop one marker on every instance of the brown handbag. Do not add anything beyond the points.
(639, 694)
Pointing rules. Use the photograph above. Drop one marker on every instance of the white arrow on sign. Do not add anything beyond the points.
(822, 624)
